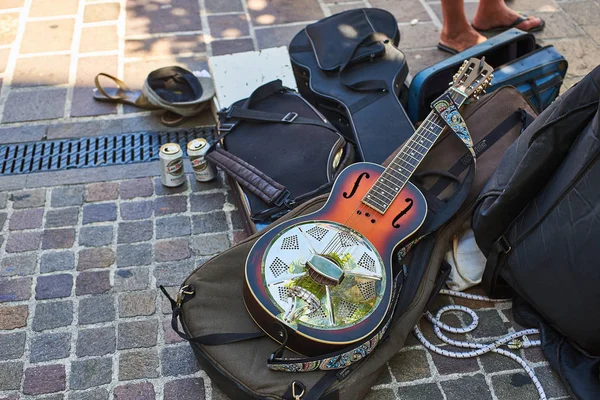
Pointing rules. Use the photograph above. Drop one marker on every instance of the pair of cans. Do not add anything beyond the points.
(171, 163)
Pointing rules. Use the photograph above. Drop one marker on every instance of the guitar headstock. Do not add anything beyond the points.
(473, 77)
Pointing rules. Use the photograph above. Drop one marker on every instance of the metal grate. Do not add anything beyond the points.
(88, 152)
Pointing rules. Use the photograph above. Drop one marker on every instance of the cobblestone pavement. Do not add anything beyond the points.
(84, 250)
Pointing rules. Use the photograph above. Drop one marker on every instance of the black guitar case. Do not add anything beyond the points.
(348, 66)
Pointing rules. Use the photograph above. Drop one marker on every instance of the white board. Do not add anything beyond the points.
(236, 76)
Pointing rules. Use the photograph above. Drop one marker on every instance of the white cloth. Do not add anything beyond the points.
(466, 260)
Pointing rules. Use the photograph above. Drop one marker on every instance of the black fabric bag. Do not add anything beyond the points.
(348, 67)
(538, 222)
(279, 149)
(233, 351)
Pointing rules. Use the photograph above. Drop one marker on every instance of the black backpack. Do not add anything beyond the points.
(538, 222)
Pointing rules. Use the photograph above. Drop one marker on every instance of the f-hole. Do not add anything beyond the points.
(365, 175)
(403, 212)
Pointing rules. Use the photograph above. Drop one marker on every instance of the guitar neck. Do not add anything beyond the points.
(396, 175)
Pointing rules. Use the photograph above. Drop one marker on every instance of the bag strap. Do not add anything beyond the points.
(257, 182)
(245, 114)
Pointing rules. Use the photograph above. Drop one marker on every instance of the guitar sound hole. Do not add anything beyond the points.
(373, 221)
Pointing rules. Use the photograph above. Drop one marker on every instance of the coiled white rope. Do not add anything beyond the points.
(514, 340)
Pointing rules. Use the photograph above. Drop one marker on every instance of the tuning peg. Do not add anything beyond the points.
(450, 83)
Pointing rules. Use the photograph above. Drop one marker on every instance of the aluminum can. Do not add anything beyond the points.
(204, 170)
(171, 165)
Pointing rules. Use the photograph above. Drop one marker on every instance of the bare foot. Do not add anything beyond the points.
(463, 40)
(492, 18)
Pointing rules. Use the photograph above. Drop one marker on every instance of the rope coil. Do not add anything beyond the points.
(512, 341)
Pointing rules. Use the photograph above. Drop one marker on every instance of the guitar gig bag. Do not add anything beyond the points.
(349, 68)
(233, 350)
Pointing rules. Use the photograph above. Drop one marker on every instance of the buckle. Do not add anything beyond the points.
(504, 244)
(183, 291)
(290, 117)
(225, 127)
(283, 198)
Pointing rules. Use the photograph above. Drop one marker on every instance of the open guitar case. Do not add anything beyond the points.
(349, 68)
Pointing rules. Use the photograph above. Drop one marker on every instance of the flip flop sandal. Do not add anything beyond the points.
(521, 18)
(169, 118)
(447, 49)
(121, 94)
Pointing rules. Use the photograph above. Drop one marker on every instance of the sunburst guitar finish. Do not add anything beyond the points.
(326, 277)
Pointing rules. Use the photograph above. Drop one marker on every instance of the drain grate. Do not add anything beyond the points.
(98, 151)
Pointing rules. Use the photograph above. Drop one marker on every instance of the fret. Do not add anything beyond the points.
(394, 187)
(379, 205)
(389, 175)
(381, 191)
(412, 144)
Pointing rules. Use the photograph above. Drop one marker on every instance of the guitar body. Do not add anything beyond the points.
(326, 277)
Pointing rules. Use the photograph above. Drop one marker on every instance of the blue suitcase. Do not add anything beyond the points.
(535, 71)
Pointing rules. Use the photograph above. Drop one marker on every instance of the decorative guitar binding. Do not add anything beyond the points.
(323, 282)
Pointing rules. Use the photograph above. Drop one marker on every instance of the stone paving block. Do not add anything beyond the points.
(173, 273)
(283, 12)
(57, 261)
(276, 36)
(594, 32)
(42, 70)
(101, 12)
(49, 8)
(138, 364)
(216, 183)
(11, 374)
(67, 196)
(95, 236)
(100, 257)
(448, 366)
(410, 365)
(221, 6)
(534, 354)
(4, 53)
(178, 360)
(129, 255)
(137, 303)
(99, 38)
(63, 217)
(28, 198)
(338, 8)
(162, 190)
(426, 391)
(582, 54)
(421, 59)
(514, 386)
(80, 129)
(155, 16)
(99, 212)
(467, 388)
(10, 25)
(134, 391)
(137, 334)
(61, 238)
(90, 373)
(96, 309)
(132, 188)
(47, 35)
(184, 389)
(130, 279)
(12, 345)
(583, 12)
(170, 205)
(83, 103)
(173, 227)
(490, 324)
(3, 200)
(212, 244)
(19, 265)
(92, 282)
(3, 217)
(550, 381)
(96, 394)
(558, 25)
(34, 105)
(206, 202)
(221, 47)
(26, 219)
(53, 286)
(96, 341)
(6, 4)
(403, 10)
(136, 210)
(131, 232)
(172, 250)
(228, 26)
(420, 35)
(165, 46)
(44, 379)
(169, 334)
(52, 315)
(50, 346)
(15, 289)
(13, 317)
(209, 223)
(101, 191)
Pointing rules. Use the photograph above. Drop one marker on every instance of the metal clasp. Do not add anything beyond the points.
(294, 394)
(225, 127)
(183, 291)
(290, 117)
